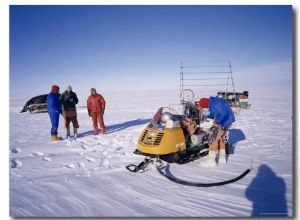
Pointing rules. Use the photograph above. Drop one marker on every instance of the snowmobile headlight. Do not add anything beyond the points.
(152, 134)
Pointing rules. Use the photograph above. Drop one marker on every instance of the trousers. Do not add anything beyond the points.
(219, 143)
(54, 118)
(97, 117)
(74, 121)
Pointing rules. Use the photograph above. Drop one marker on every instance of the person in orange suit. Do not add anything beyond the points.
(96, 106)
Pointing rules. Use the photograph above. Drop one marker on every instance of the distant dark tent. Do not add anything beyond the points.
(36, 104)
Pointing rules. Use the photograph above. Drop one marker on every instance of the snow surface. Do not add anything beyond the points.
(87, 177)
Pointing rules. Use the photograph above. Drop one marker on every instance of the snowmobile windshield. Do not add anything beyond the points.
(164, 119)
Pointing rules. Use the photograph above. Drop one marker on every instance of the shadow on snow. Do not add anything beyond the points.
(121, 126)
(236, 135)
(267, 193)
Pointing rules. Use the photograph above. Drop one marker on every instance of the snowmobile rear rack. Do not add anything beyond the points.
(210, 78)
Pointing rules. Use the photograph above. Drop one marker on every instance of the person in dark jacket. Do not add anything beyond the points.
(68, 101)
(54, 110)
(223, 117)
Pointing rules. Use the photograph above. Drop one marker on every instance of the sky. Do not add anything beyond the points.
(127, 47)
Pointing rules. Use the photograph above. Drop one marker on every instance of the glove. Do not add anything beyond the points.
(71, 99)
(213, 134)
(102, 111)
(89, 113)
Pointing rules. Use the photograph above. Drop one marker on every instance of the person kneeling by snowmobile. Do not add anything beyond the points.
(223, 117)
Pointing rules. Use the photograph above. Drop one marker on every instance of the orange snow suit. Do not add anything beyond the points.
(95, 104)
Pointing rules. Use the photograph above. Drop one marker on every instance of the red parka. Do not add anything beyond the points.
(95, 103)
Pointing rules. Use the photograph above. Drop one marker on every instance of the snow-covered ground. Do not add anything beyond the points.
(87, 177)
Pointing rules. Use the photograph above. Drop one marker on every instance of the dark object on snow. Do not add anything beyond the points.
(187, 183)
(236, 99)
(229, 148)
(36, 104)
(159, 166)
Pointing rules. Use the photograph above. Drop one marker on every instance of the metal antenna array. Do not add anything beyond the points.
(205, 78)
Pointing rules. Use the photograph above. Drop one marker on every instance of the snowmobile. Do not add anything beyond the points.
(172, 137)
(176, 138)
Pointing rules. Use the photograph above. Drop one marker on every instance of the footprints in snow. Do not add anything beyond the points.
(71, 166)
(15, 163)
(37, 154)
(101, 148)
(16, 150)
(84, 147)
(97, 146)
(89, 159)
(47, 159)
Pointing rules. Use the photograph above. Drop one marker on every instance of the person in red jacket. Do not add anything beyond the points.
(96, 107)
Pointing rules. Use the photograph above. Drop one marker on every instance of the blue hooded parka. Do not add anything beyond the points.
(54, 109)
(220, 111)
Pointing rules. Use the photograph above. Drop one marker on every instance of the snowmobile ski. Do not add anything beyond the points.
(141, 166)
(181, 158)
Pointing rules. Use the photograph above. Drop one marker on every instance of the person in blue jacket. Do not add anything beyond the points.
(220, 111)
(54, 110)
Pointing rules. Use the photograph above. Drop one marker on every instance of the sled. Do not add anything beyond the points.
(38, 108)
(36, 104)
(235, 99)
